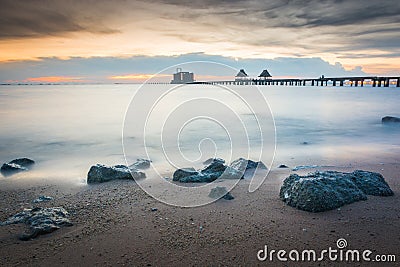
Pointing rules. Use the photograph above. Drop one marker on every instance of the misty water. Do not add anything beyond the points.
(68, 128)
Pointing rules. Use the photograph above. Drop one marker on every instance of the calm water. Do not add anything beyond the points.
(68, 128)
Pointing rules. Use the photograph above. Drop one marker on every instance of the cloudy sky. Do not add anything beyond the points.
(89, 40)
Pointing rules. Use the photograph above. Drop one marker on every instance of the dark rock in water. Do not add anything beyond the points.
(16, 165)
(390, 119)
(42, 199)
(209, 174)
(40, 220)
(371, 183)
(211, 160)
(220, 192)
(305, 143)
(322, 191)
(12, 168)
(242, 164)
(183, 173)
(283, 166)
(100, 173)
(141, 164)
(24, 162)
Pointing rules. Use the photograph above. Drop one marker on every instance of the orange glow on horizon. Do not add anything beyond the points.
(141, 77)
(54, 79)
(134, 76)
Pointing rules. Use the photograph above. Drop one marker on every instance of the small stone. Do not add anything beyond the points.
(141, 164)
(42, 199)
(220, 192)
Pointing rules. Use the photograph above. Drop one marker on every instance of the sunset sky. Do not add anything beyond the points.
(96, 40)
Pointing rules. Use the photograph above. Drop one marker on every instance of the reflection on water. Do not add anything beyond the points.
(68, 128)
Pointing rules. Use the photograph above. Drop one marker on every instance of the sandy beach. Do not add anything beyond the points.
(114, 224)
(199, 133)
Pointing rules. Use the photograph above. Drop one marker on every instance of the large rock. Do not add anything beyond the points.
(100, 173)
(371, 183)
(209, 174)
(16, 165)
(141, 164)
(322, 191)
(390, 119)
(40, 220)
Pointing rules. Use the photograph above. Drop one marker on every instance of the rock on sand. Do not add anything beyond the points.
(100, 173)
(322, 191)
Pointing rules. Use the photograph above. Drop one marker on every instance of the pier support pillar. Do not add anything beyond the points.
(341, 83)
(312, 83)
(373, 83)
(398, 82)
(362, 83)
(356, 83)
(387, 82)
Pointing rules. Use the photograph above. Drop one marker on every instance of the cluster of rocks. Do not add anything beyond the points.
(322, 191)
(16, 165)
(40, 220)
(100, 173)
(217, 169)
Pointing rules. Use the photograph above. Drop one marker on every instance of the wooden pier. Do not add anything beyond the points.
(374, 81)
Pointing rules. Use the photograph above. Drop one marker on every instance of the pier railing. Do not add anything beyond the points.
(374, 81)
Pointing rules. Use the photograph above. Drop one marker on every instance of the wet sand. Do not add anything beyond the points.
(114, 225)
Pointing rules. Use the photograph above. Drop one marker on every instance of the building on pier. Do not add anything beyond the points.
(265, 75)
(182, 77)
(241, 76)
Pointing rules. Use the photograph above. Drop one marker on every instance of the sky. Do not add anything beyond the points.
(127, 41)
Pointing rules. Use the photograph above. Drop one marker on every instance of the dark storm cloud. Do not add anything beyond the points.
(303, 28)
(45, 17)
(299, 13)
(33, 18)
(312, 25)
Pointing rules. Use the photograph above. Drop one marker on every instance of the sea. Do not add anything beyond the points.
(68, 128)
